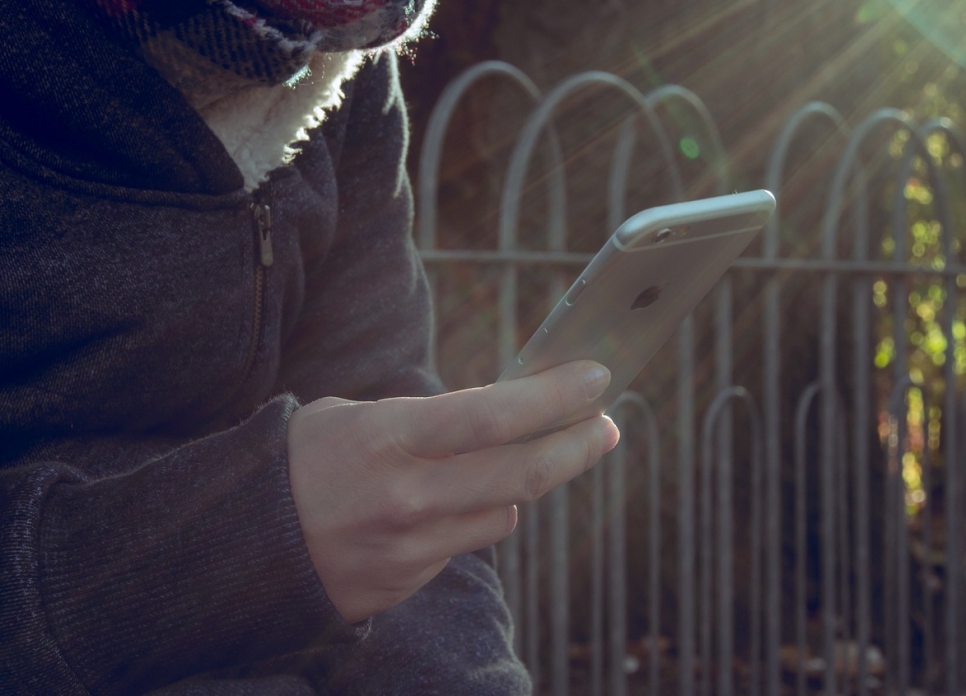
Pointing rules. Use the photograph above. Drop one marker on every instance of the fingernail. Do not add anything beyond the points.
(611, 434)
(596, 380)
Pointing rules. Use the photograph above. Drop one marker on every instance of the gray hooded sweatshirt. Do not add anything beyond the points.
(151, 353)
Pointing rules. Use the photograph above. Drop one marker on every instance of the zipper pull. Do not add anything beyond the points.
(263, 226)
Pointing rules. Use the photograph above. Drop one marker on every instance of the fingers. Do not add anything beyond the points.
(321, 405)
(466, 533)
(474, 419)
(468, 502)
(418, 557)
(518, 473)
(484, 506)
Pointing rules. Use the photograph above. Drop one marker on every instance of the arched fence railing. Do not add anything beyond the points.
(814, 604)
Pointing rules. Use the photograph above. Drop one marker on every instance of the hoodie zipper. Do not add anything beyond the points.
(262, 224)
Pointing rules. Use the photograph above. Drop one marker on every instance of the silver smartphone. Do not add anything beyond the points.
(641, 285)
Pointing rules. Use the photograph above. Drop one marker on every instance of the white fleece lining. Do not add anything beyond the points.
(259, 125)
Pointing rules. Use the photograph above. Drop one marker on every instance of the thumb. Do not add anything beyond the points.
(320, 405)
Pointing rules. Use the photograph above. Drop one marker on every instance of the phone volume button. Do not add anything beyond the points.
(575, 291)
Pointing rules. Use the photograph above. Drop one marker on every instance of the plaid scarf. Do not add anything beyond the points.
(197, 44)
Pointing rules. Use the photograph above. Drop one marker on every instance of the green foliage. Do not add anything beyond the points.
(928, 83)
(871, 11)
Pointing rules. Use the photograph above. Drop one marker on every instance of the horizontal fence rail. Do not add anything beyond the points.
(822, 580)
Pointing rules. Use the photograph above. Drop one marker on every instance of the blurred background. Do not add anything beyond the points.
(844, 326)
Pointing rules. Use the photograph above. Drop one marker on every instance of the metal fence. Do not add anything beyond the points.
(893, 626)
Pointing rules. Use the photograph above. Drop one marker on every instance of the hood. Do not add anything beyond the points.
(76, 100)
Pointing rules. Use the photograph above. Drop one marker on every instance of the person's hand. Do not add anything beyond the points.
(388, 491)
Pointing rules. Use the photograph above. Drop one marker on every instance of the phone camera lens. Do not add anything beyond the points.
(662, 235)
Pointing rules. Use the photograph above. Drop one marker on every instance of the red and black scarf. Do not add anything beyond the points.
(267, 41)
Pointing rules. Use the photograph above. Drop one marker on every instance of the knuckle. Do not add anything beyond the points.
(563, 399)
(405, 509)
(363, 421)
(563, 391)
(485, 423)
(591, 453)
(538, 476)
(405, 428)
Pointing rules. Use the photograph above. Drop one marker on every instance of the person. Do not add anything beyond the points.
(226, 466)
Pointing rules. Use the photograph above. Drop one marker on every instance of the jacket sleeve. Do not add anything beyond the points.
(452, 637)
(370, 293)
(121, 584)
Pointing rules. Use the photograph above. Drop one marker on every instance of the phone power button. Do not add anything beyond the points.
(575, 291)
